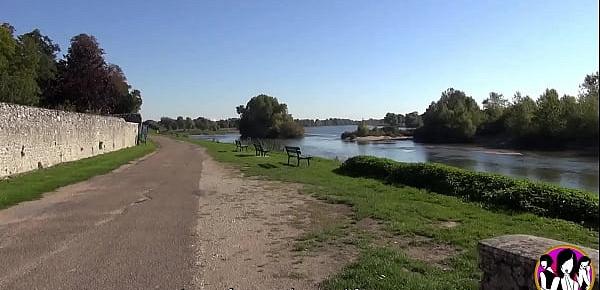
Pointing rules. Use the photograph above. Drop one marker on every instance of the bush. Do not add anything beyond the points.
(492, 190)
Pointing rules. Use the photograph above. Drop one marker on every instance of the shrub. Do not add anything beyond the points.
(492, 190)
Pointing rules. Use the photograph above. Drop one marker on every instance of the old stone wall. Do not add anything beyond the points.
(31, 138)
(508, 262)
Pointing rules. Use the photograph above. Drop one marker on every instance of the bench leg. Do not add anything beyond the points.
(298, 162)
(288, 160)
(308, 160)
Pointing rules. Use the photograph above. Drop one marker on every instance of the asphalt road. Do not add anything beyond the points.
(130, 229)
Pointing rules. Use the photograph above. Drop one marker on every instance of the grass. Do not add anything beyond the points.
(405, 212)
(32, 185)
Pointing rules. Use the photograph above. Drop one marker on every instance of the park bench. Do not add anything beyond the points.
(260, 150)
(294, 152)
(239, 146)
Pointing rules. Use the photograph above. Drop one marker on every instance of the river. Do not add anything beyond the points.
(566, 168)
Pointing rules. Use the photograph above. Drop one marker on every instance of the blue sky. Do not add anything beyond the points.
(354, 59)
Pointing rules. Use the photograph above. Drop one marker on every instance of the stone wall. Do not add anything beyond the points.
(31, 138)
(508, 262)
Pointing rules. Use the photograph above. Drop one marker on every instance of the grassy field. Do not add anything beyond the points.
(425, 218)
(32, 185)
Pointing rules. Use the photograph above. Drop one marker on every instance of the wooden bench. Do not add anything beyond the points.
(294, 152)
(239, 146)
(260, 150)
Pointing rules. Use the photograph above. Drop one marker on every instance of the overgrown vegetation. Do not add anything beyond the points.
(32, 185)
(493, 190)
(31, 74)
(264, 117)
(406, 212)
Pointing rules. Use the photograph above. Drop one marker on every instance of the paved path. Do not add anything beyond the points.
(174, 220)
(130, 229)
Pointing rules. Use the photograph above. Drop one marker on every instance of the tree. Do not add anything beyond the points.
(180, 123)
(549, 118)
(493, 114)
(168, 123)
(588, 102)
(264, 117)
(362, 130)
(413, 120)
(85, 76)
(391, 119)
(189, 123)
(18, 68)
(454, 118)
(47, 69)
(519, 116)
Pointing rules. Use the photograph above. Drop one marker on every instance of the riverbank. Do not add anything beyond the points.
(416, 238)
(32, 185)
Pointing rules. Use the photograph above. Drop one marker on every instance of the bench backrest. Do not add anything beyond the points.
(258, 146)
(291, 150)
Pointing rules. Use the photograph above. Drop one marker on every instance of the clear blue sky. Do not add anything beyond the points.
(355, 59)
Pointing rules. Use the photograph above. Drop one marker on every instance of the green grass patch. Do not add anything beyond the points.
(405, 211)
(32, 185)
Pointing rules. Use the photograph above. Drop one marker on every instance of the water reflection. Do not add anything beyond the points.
(565, 168)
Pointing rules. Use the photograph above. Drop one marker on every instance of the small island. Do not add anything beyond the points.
(396, 127)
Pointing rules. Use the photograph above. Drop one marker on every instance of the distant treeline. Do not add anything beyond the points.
(31, 74)
(337, 122)
(181, 123)
(549, 121)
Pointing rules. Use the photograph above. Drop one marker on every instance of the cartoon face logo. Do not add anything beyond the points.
(564, 268)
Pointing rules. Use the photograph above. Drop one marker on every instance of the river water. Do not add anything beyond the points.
(568, 169)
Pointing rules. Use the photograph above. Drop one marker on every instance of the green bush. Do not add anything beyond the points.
(492, 190)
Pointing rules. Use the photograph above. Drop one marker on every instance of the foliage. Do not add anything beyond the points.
(18, 65)
(490, 189)
(453, 118)
(493, 114)
(30, 74)
(264, 117)
(519, 116)
(362, 130)
(413, 120)
(188, 123)
(549, 121)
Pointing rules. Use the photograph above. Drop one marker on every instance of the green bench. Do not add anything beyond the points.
(239, 146)
(294, 152)
(260, 150)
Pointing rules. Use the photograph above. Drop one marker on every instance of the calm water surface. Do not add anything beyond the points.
(568, 169)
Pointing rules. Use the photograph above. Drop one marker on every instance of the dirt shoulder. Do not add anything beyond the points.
(248, 231)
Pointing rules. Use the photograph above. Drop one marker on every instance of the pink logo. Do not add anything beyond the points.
(564, 268)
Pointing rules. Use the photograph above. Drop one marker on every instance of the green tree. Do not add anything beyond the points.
(454, 118)
(46, 70)
(493, 114)
(18, 68)
(264, 117)
(180, 122)
(362, 130)
(549, 118)
(588, 102)
(189, 123)
(413, 120)
(519, 116)
(391, 119)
